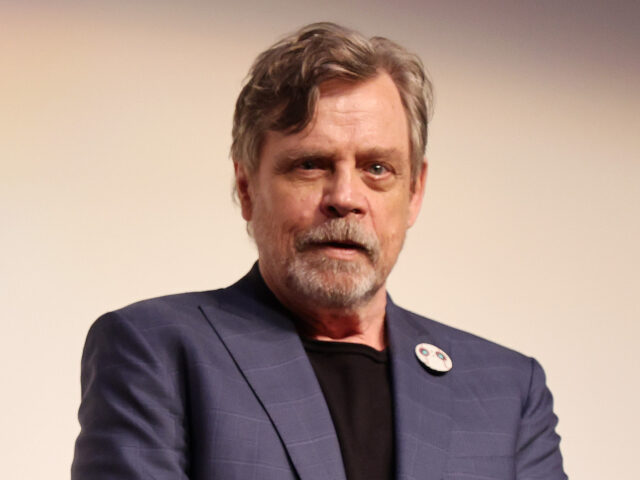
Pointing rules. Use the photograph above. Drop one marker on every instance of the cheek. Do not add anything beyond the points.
(287, 213)
(299, 206)
(390, 222)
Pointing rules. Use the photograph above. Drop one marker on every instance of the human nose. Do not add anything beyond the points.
(343, 194)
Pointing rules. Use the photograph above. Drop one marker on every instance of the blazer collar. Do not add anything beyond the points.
(260, 336)
(422, 399)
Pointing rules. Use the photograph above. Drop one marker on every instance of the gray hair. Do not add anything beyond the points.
(282, 87)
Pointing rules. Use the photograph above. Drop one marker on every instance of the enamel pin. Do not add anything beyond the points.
(433, 357)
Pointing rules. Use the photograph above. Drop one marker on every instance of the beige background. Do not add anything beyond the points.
(115, 186)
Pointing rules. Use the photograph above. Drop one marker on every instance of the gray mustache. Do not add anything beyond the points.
(339, 230)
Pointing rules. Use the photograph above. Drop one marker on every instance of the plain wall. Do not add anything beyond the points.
(115, 184)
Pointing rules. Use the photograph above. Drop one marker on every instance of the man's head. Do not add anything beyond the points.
(329, 137)
(283, 85)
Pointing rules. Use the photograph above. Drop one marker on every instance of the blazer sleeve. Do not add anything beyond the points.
(131, 414)
(538, 449)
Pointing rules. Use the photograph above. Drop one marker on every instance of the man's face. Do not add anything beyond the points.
(329, 206)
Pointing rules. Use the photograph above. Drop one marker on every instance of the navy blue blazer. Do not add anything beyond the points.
(217, 385)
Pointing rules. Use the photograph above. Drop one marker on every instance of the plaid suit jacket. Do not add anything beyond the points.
(217, 385)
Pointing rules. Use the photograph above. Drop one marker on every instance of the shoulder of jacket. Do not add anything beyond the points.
(469, 345)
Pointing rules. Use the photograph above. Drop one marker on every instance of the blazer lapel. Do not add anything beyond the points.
(422, 400)
(259, 334)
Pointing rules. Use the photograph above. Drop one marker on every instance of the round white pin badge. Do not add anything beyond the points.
(433, 357)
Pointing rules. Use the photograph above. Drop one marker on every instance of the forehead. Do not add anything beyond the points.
(351, 117)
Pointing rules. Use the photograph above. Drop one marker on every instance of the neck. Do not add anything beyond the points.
(362, 323)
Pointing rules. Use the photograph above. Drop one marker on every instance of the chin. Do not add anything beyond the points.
(333, 283)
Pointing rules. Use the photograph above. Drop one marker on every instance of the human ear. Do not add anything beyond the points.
(243, 190)
(415, 203)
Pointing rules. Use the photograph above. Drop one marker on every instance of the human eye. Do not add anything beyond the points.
(306, 167)
(308, 164)
(379, 174)
(311, 165)
(377, 169)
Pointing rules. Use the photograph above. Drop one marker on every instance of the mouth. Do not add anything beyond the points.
(340, 239)
(342, 245)
(341, 249)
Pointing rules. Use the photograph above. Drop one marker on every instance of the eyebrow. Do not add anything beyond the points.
(372, 153)
(379, 153)
(303, 153)
(284, 159)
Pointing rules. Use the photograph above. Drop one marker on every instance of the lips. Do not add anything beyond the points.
(339, 251)
(345, 245)
(339, 233)
(340, 245)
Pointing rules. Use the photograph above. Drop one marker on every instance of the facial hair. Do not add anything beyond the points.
(332, 282)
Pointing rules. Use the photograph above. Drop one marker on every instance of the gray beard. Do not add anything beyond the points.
(332, 283)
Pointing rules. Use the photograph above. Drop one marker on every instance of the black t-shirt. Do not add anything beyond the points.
(356, 384)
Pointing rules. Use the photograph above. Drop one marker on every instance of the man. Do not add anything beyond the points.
(305, 368)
